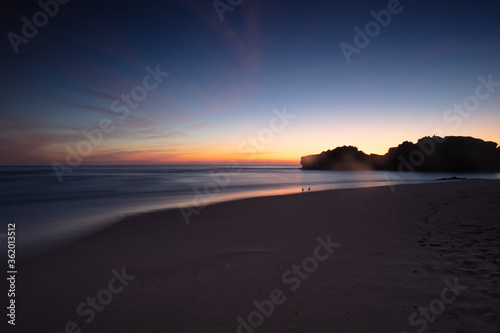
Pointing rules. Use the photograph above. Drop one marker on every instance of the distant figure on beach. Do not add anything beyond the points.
(309, 189)
(302, 189)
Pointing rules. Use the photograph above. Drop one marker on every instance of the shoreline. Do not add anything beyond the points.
(203, 276)
(48, 219)
(43, 246)
(40, 247)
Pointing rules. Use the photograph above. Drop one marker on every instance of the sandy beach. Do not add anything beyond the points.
(424, 258)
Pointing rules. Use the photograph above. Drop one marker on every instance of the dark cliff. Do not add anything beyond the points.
(448, 154)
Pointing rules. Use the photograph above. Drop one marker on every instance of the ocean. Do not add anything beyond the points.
(48, 212)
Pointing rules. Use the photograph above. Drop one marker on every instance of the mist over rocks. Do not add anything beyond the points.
(433, 154)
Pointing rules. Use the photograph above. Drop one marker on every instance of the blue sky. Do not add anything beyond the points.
(226, 78)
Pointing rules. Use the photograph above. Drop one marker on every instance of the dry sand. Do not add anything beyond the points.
(396, 251)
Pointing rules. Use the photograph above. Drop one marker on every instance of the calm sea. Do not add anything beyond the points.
(48, 212)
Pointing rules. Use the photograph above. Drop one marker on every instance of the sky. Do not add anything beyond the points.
(252, 81)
